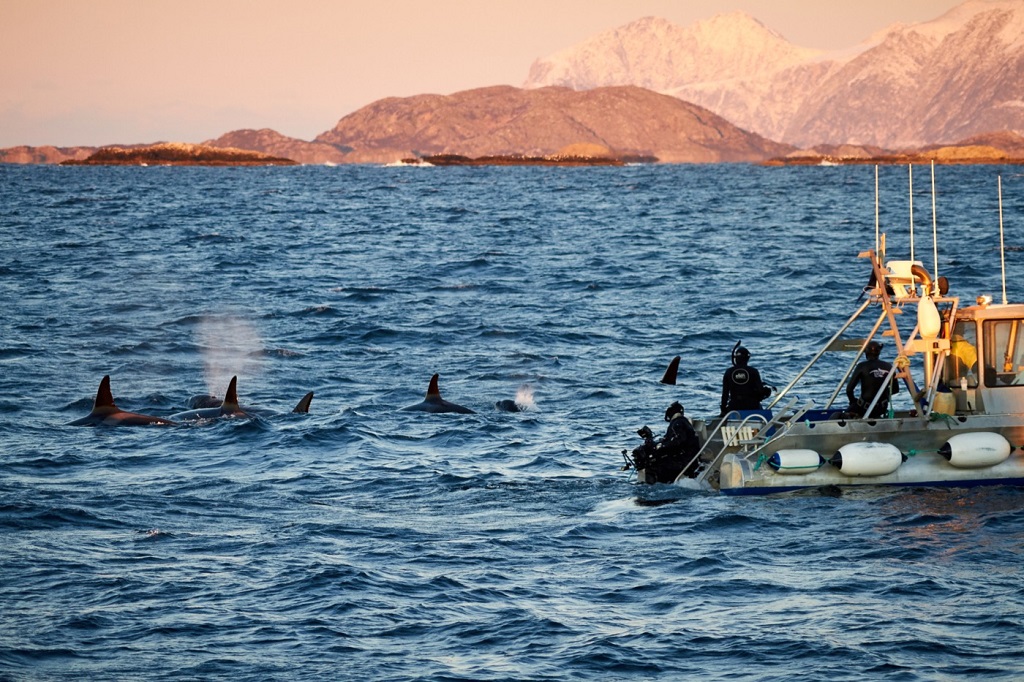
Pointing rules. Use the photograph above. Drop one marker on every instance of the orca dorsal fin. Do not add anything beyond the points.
(231, 397)
(671, 371)
(303, 405)
(432, 390)
(104, 398)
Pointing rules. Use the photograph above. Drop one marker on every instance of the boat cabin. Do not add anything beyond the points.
(985, 366)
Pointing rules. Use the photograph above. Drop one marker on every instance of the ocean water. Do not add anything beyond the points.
(361, 541)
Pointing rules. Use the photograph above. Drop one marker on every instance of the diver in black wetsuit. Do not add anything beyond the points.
(663, 460)
(871, 375)
(742, 388)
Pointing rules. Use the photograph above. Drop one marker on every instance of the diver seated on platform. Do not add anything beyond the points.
(742, 388)
(665, 459)
(871, 374)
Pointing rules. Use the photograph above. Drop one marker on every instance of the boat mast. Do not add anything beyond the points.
(877, 247)
(935, 246)
(910, 169)
(1002, 250)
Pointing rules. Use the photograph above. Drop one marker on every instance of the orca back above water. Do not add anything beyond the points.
(106, 413)
(202, 401)
(229, 407)
(433, 402)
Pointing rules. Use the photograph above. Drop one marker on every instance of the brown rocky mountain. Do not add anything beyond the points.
(274, 143)
(961, 74)
(44, 154)
(623, 122)
(503, 120)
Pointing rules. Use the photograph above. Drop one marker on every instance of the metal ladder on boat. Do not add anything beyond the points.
(753, 433)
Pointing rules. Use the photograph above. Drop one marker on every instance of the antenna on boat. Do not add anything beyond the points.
(935, 230)
(878, 254)
(910, 169)
(1002, 250)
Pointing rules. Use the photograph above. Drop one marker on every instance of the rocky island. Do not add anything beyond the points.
(510, 160)
(572, 155)
(1002, 148)
(178, 154)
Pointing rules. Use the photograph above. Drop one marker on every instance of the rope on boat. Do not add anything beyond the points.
(940, 416)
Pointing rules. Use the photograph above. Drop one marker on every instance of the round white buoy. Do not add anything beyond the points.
(867, 459)
(795, 462)
(976, 450)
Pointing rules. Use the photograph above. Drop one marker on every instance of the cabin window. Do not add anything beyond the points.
(962, 365)
(1004, 353)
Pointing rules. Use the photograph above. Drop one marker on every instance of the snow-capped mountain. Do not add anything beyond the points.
(659, 55)
(958, 75)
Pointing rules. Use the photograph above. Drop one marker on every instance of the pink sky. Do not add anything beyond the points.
(96, 72)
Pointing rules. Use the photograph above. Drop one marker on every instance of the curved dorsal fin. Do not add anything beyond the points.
(432, 389)
(303, 405)
(670, 372)
(231, 397)
(104, 398)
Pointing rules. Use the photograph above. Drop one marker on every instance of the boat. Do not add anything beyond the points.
(962, 365)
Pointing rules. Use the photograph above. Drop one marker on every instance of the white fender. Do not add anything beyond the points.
(795, 462)
(928, 321)
(976, 450)
(867, 459)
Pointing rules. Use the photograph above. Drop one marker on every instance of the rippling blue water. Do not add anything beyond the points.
(361, 541)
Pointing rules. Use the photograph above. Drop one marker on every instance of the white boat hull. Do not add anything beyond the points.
(749, 474)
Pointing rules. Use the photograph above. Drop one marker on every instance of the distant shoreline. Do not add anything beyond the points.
(178, 154)
(516, 160)
(181, 154)
(890, 161)
(962, 155)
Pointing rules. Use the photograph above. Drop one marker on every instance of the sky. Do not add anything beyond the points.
(98, 72)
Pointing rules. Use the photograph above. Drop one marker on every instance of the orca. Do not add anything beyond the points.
(303, 405)
(508, 406)
(203, 400)
(106, 413)
(670, 372)
(433, 402)
(523, 401)
(229, 407)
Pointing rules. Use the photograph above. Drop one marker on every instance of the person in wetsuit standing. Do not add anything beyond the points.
(871, 375)
(742, 388)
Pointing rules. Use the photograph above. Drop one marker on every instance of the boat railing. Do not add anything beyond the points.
(730, 435)
(753, 431)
